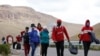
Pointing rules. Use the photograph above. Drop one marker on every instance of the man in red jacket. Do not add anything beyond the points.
(85, 37)
(58, 37)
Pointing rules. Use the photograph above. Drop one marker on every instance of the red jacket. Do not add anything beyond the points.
(22, 32)
(18, 38)
(58, 33)
(39, 28)
(85, 36)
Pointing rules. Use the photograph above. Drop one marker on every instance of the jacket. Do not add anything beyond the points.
(84, 33)
(44, 36)
(26, 37)
(34, 36)
(18, 38)
(58, 33)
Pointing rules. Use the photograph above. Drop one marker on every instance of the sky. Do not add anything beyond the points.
(72, 11)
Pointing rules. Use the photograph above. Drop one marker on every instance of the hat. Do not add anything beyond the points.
(59, 21)
(33, 25)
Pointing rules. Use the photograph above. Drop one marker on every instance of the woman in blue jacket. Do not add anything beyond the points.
(34, 38)
(44, 40)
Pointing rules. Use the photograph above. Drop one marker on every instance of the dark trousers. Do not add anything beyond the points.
(86, 47)
(26, 49)
(60, 48)
(44, 49)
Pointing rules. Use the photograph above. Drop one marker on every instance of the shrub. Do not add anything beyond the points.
(4, 49)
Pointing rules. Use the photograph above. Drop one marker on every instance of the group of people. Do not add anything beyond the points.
(35, 36)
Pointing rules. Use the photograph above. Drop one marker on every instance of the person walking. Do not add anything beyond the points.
(26, 41)
(3, 40)
(39, 27)
(34, 38)
(39, 51)
(44, 40)
(19, 39)
(58, 37)
(85, 37)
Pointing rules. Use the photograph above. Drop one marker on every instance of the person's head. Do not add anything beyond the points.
(3, 38)
(18, 35)
(87, 23)
(39, 25)
(27, 28)
(32, 25)
(44, 27)
(59, 22)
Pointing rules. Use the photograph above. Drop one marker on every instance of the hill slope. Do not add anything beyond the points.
(13, 19)
(97, 30)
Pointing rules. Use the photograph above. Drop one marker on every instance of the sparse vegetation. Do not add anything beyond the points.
(4, 49)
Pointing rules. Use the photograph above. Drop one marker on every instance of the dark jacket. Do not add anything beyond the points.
(26, 37)
(93, 38)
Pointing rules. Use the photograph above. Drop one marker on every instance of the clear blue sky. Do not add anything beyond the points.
(73, 11)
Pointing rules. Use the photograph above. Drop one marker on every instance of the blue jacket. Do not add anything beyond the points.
(33, 36)
(44, 36)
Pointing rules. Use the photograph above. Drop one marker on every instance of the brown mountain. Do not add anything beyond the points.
(13, 19)
(97, 30)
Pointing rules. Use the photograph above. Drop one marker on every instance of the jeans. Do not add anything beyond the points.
(33, 46)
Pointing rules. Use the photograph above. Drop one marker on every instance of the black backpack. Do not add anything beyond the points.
(26, 38)
(73, 49)
(18, 46)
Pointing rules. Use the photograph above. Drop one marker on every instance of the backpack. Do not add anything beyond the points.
(18, 46)
(26, 38)
(34, 37)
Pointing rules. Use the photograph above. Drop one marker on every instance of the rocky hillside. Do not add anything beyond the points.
(13, 19)
(97, 30)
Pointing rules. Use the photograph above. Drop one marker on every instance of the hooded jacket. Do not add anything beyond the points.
(84, 32)
(44, 36)
(34, 36)
(58, 33)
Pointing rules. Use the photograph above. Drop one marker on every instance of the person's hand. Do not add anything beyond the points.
(79, 42)
(89, 33)
(69, 42)
(54, 41)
